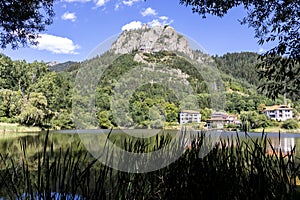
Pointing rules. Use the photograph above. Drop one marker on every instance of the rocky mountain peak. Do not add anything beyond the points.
(155, 39)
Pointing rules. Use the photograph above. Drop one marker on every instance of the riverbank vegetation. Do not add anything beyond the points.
(233, 169)
(16, 128)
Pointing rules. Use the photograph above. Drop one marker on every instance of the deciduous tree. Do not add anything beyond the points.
(22, 20)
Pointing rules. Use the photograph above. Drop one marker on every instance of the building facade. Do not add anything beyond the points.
(189, 116)
(219, 119)
(279, 112)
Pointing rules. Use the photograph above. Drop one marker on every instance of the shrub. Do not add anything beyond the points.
(7, 120)
(290, 124)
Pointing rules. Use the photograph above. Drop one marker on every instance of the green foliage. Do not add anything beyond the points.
(56, 87)
(231, 126)
(21, 21)
(62, 120)
(149, 95)
(31, 94)
(205, 114)
(66, 66)
(7, 120)
(19, 75)
(275, 22)
(252, 120)
(290, 124)
(104, 120)
(280, 76)
(238, 102)
(241, 66)
(10, 103)
(34, 111)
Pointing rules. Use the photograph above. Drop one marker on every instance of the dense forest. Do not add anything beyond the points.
(35, 94)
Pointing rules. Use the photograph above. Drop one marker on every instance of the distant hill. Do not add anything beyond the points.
(62, 66)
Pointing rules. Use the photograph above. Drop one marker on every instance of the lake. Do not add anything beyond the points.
(10, 142)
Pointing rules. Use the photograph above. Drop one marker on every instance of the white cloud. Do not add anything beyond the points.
(101, 2)
(69, 16)
(117, 6)
(161, 21)
(155, 22)
(81, 1)
(56, 44)
(132, 25)
(149, 11)
(98, 3)
(163, 17)
(130, 2)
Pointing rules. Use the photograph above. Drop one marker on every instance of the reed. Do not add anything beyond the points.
(234, 169)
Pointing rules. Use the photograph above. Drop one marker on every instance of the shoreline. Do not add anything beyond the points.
(16, 128)
(275, 130)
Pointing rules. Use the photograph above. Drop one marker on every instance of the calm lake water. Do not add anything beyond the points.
(11, 142)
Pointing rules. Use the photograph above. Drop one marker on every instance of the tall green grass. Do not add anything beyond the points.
(234, 169)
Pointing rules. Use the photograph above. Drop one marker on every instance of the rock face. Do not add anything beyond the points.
(155, 39)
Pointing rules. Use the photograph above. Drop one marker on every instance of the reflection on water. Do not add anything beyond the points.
(285, 145)
(64, 139)
(276, 142)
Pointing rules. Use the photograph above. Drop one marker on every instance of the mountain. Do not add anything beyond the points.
(158, 38)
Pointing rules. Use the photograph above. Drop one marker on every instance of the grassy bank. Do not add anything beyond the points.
(275, 130)
(16, 128)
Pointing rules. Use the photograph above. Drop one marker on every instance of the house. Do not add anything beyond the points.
(219, 119)
(189, 116)
(279, 112)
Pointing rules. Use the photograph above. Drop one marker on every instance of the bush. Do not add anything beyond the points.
(290, 124)
(62, 121)
(7, 120)
(232, 126)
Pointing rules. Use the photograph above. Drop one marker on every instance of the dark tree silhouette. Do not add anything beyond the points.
(276, 22)
(22, 20)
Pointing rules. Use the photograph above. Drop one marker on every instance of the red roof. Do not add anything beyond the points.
(277, 107)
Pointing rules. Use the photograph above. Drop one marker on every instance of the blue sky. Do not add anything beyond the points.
(81, 25)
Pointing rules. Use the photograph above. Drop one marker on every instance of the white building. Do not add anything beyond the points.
(189, 116)
(279, 112)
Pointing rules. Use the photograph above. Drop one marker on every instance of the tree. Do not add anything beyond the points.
(206, 113)
(34, 112)
(56, 87)
(290, 124)
(251, 119)
(275, 21)
(104, 121)
(21, 21)
(10, 103)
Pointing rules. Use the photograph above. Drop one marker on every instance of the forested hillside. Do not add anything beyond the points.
(241, 66)
(34, 95)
